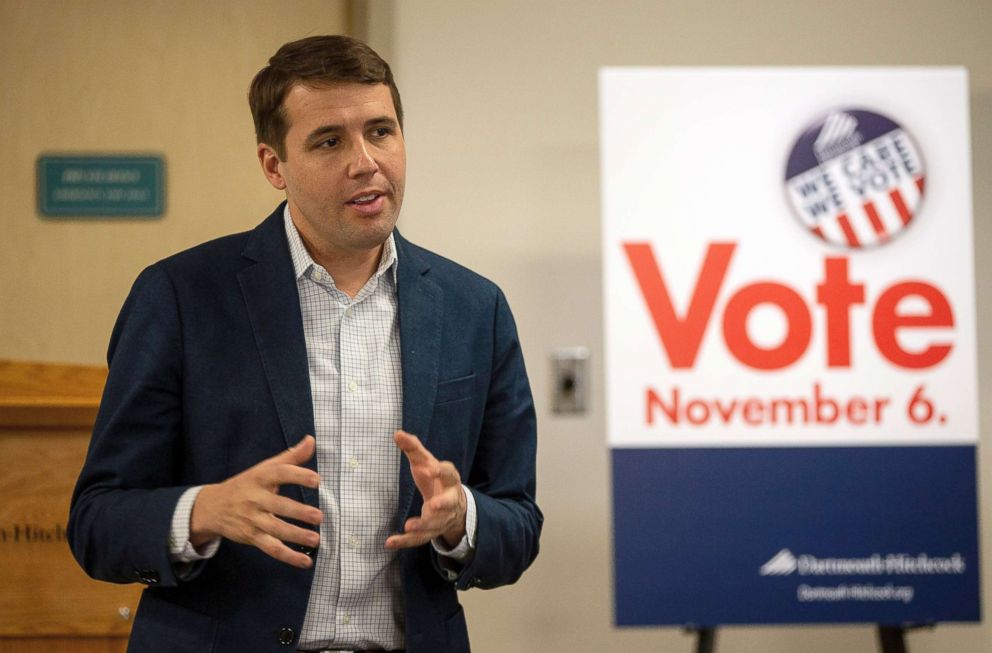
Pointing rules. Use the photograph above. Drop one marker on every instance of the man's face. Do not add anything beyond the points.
(345, 166)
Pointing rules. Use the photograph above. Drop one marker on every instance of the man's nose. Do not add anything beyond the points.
(363, 163)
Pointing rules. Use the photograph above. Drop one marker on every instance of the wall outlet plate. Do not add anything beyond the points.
(570, 378)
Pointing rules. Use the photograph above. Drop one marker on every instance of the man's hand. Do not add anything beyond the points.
(444, 509)
(247, 508)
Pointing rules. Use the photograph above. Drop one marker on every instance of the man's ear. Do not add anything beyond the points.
(271, 166)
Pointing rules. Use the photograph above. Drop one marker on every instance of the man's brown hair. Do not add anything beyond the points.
(313, 61)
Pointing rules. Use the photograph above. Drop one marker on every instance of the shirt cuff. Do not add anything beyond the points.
(181, 550)
(466, 547)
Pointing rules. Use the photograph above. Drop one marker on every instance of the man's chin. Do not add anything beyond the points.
(370, 236)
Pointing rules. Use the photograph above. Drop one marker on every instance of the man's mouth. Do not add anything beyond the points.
(369, 203)
(365, 199)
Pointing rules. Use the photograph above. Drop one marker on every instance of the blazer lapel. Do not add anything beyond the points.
(420, 310)
(272, 299)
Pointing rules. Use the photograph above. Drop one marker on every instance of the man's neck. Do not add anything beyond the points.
(350, 270)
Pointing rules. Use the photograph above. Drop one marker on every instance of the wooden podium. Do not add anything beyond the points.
(47, 603)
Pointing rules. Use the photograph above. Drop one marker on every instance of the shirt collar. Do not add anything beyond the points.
(303, 262)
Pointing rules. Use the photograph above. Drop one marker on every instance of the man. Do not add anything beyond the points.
(201, 479)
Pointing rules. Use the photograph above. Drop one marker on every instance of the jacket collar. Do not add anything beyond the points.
(273, 305)
(421, 306)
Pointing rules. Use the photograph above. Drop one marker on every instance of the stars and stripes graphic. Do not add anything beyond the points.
(855, 179)
(874, 221)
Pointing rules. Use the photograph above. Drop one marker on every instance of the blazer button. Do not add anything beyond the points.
(147, 576)
(286, 636)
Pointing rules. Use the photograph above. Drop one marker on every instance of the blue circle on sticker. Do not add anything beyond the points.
(855, 178)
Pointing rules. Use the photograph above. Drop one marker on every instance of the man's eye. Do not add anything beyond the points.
(330, 142)
(381, 132)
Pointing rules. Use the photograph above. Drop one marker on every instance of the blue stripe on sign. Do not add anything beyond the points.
(694, 527)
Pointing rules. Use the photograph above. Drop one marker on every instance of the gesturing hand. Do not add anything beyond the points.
(443, 514)
(246, 508)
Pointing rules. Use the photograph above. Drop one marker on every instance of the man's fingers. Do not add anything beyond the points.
(430, 525)
(442, 504)
(413, 525)
(289, 474)
(407, 540)
(289, 533)
(247, 508)
(286, 507)
(415, 451)
(448, 475)
(273, 547)
(299, 453)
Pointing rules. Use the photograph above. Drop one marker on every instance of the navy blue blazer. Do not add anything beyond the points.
(208, 376)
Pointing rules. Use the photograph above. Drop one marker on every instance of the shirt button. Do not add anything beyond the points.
(346, 619)
(352, 386)
(286, 636)
(353, 462)
(347, 312)
(353, 541)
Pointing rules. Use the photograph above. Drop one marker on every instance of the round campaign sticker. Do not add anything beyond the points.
(855, 178)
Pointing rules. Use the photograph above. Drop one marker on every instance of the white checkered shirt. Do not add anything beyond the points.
(353, 351)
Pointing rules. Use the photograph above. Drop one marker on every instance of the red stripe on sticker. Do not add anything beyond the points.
(819, 232)
(845, 226)
(920, 183)
(876, 221)
(900, 205)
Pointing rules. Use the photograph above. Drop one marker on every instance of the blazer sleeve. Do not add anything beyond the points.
(502, 475)
(122, 505)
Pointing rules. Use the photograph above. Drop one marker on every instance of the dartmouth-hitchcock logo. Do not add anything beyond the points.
(782, 564)
(785, 563)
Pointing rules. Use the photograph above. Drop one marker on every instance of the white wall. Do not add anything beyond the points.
(501, 127)
(121, 76)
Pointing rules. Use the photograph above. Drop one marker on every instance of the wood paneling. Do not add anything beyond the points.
(59, 396)
(64, 645)
(46, 414)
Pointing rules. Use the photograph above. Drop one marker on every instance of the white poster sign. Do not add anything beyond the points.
(788, 257)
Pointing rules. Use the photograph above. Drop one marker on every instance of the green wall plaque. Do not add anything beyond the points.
(96, 186)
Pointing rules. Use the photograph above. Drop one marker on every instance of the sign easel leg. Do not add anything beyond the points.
(705, 638)
(891, 639)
